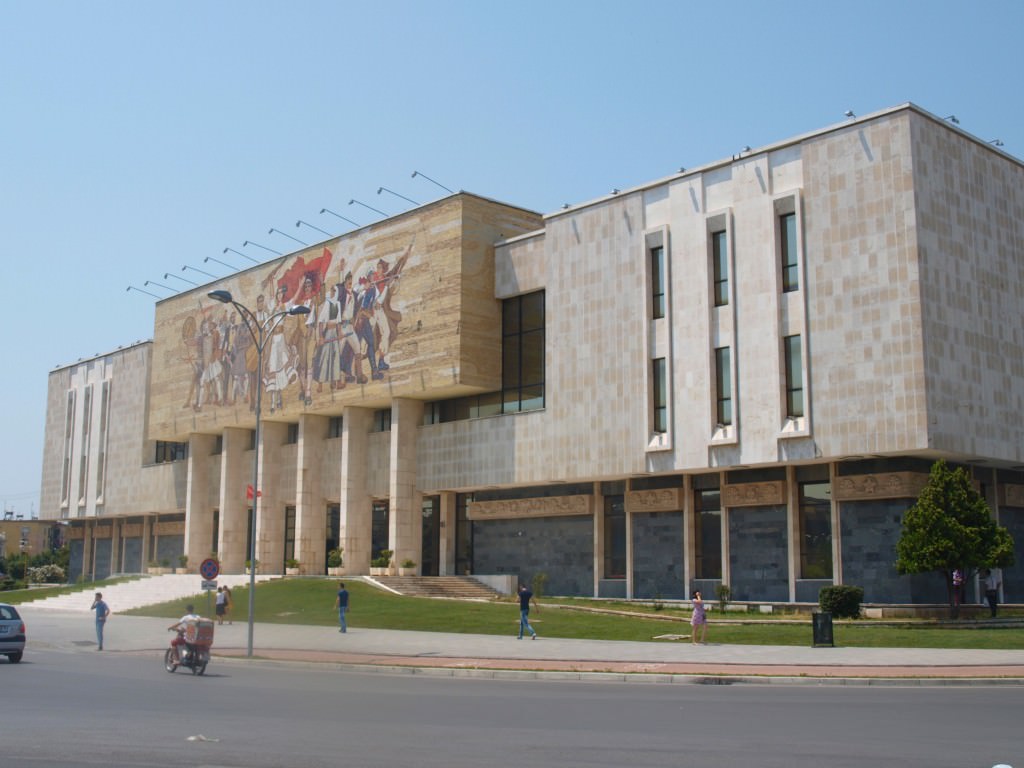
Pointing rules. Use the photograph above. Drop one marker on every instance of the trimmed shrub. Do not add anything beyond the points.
(843, 602)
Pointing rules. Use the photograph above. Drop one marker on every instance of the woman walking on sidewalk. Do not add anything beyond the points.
(699, 619)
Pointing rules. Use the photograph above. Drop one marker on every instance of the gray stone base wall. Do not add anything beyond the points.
(75, 548)
(658, 555)
(870, 530)
(612, 588)
(1012, 518)
(758, 560)
(561, 547)
(808, 590)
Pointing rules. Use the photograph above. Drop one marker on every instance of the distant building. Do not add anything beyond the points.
(738, 374)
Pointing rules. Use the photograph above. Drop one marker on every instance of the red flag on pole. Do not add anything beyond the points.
(248, 492)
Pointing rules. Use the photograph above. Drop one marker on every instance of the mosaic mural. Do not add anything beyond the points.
(345, 338)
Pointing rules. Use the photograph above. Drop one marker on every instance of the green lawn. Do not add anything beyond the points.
(311, 601)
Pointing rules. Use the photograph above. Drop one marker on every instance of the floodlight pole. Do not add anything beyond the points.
(260, 333)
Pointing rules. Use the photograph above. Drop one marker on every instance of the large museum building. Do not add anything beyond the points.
(738, 374)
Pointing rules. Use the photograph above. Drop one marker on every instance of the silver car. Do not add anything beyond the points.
(12, 633)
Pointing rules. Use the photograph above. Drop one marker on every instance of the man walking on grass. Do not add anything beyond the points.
(525, 596)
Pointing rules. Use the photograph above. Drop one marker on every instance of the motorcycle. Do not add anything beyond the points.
(193, 650)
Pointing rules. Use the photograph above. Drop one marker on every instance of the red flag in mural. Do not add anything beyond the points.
(293, 282)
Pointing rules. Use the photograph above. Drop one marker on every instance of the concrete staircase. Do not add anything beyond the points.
(456, 587)
(146, 590)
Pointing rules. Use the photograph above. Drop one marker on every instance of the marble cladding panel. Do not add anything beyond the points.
(970, 226)
(864, 307)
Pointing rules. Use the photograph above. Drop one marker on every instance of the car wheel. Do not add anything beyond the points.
(14, 657)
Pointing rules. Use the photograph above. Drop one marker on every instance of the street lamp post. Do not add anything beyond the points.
(260, 332)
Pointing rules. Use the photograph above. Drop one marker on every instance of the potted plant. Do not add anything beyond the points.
(153, 567)
(182, 564)
(407, 568)
(249, 566)
(291, 567)
(381, 564)
(335, 562)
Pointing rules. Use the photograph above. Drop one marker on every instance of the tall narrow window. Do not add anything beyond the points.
(657, 282)
(723, 386)
(720, 267)
(614, 537)
(522, 353)
(379, 532)
(794, 377)
(382, 420)
(292, 436)
(83, 455)
(335, 427)
(660, 399)
(69, 431)
(101, 449)
(815, 531)
(289, 534)
(708, 536)
(787, 249)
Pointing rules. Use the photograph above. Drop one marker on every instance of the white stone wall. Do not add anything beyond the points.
(970, 226)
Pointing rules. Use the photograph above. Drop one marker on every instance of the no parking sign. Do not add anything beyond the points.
(209, 569)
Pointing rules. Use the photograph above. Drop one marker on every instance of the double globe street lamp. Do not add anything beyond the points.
(260, 332)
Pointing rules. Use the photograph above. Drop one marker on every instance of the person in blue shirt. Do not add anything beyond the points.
(341, 603)
(525, 596)
(102, 612)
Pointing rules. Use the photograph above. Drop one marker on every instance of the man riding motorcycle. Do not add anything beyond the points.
(180, 626)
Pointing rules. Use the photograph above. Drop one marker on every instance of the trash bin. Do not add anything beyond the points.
(822, 624)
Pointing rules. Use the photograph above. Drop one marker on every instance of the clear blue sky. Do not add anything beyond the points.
(138, 137)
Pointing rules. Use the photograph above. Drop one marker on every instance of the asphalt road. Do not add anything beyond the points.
(81, 708)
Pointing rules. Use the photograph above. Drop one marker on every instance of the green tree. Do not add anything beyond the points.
(949, 527)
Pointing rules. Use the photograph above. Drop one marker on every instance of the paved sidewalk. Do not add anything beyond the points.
(500, 656)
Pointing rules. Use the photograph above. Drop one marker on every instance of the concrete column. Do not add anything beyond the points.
(598, 539)
(356, 520)
(629, 544)
(406, 531)
(689, 535)
(447, 534)
(310, 505)
(270, 517)
(837, 531)
(147, 535)
(198, 515)
(726, 568)
(115, 547)
(235, 476)
(792, 529)
(88, 551)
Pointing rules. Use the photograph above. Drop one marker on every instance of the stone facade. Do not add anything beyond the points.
(887, 337)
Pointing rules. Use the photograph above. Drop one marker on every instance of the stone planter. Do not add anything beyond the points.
(407, 571)
(378, 571)
(181, 570)
(336, 570)
(291, 571)
(158, 570)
